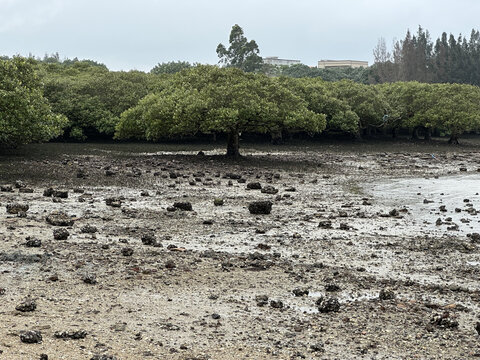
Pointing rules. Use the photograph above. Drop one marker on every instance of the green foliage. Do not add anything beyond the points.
(208, 99)
(241, 53)
(91, 97)
(171, 67)
(25, 115)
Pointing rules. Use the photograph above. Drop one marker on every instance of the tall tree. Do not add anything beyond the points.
(241, 53)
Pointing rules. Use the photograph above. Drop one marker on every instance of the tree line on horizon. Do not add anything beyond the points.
(80, 100)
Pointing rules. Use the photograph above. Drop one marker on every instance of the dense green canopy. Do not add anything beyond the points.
(207, 99)
(25, 115)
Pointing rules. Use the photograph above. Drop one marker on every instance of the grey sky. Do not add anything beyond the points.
(139, 34)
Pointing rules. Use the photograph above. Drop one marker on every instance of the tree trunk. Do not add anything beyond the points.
(233, 144)
(415, 133)
(394, 133)
(277, 138)
(453, 140)
(214, 137)
(428, 134)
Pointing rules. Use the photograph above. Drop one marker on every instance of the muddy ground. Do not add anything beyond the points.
(358, 258)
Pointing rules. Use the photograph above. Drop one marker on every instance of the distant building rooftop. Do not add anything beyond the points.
(322, 64)
(275, 60)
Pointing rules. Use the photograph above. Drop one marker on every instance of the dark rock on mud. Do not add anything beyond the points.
(444, 321)
(58, 218)
(127, 251)
(386, 294)
(261, 300)
(62, 194)
(149, 239)
(33, 242)
(25, 191)
(218, 202)
(300, 292)
(170, 264)
(26, 305)
(61, 234)
(103, 357)
(6, 188)
(332, 287)
(73, 335)
(269, 189)
(325, 224)
(114, 201)
(183, 205)
(88, 229)
(89, 279)
(254, 186)
(317, 347)
(260, 207)
(31, 337)
(17, 208)
(48, 192)
(276, 304)
(328, 304)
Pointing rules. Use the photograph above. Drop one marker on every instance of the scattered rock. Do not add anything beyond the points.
(33, 242)
(127, 251)
(318, 347)
(300, 292)
(261, 300)
(89, 279)
(218, 202)
(88, 229)
(170, 264)
(254, 186)
(183, 205)
(17, 208)
(276, 304)
(444, 321)
(60, 234)
(26, 305)
(269, 189)
(386, 294)
(328, 304)
(114, 201)
(62, 194)
(260, 207)
(58, 218)
(48, 192)
(73, 335)
(325, 224)
(31, 337)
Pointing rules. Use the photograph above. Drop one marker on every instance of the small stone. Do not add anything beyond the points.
(127, 251)
(113, 201)
(17, 208)
(386, 294)
(170, 264)
(215, 316)
(31, 337)
(26, 305)
(276, 304)
(74, 335)
(318, 347)
(88, 229)
(33, 242)
(254, 186)
(269, 189)
(260, 207)
(300, 292)
(89, 279)
(58, 218)
(183, 205)
(48, 192)
(328, 304)
(325, 224)
(218, 202)
(61, 234)
(149, 239)
(63, 194)
(261, 300)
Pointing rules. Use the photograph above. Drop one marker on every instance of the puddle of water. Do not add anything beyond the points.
(448, 191)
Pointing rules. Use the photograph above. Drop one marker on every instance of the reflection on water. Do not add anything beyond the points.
(454, 200)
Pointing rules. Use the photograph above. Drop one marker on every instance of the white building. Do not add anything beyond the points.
(324, 64)
(274, 60)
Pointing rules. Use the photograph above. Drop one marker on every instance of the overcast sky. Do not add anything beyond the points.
(138, 34)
